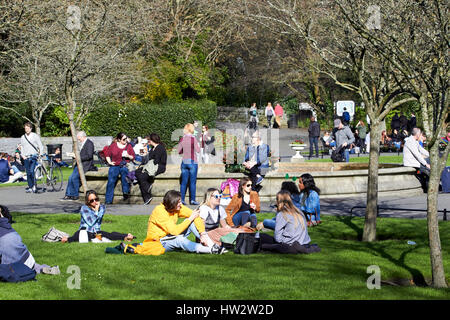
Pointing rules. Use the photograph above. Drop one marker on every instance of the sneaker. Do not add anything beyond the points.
(215, 249)
(260, 179)
(51, 270)
(28, 190)
(34, 189)
(194, 203)
(148, 202)
(67, 198)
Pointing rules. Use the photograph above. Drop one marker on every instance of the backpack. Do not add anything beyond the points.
(16, 272)
(337, 155)
(346, 116)
(246, 243)
(54, 235)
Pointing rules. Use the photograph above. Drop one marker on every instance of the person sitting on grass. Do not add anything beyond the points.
(243, 206)
(214, 216)
(309, 199)
(164, 233)
(92, 213)
(12, 249)
(295, 196)
(291, 234)
(7, 173)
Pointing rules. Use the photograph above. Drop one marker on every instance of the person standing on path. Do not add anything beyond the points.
(278, 115)
(269, 112)
(344, 138)
(31, 148)
(314, 134)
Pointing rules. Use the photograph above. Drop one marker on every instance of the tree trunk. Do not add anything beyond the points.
(370, 223)
(70, 114)
(437, 265)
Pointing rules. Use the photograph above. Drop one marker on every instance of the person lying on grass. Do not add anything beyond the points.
(12, 249)
(291, 234)
(164, 233)
(92, 213)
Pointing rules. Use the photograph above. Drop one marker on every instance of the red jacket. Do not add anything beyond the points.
(115, 153)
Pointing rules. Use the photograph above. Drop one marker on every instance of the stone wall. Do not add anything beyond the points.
(334, 180)
(9, 144)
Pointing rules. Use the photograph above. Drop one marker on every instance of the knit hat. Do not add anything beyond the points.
(337, 122)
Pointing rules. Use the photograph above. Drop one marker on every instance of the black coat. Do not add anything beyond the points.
(159, 156)
(87, 156)
(314, 129)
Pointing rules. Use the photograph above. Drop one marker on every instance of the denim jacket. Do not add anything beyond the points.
(312, 202)
(262, 154)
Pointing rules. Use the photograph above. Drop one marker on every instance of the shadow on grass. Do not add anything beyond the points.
(417, 276)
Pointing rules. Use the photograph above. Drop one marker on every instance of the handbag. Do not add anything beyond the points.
(246, 243)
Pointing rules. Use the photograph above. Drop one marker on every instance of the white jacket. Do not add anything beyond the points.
(413, 154)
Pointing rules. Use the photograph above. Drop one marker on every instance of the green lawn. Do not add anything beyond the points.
(338, 272)
(365, 159)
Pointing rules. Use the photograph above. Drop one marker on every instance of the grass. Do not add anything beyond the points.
(65, 171)
(365, 159)
(338, 272)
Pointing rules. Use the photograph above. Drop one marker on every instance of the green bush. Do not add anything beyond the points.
(140, 119)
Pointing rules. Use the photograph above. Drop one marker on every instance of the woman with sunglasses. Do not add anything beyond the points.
(309, 199)
(291, 234)
(92, 213)
(243, 206)
(118, 154)
(214, 216)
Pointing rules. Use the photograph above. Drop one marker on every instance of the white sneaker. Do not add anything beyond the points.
(215, 249)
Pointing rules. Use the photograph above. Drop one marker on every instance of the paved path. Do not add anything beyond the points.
(17, 200)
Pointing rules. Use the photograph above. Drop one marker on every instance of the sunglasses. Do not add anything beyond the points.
(93, 200)
(217, 196)
(124, 139)
(248, 185)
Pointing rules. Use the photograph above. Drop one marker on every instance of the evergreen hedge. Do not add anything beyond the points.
(140, 119)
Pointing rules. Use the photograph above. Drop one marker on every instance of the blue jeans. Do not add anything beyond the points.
(189, 170)
(182, 242)
(269, 223)
(73, 184)
(242, 217)
(113, 175)
(30, 164)
(313, 141)
(347, 155)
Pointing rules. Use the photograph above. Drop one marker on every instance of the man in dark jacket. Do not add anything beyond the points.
(314, 134)
(87, 160)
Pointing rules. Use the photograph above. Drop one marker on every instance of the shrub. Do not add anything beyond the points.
(140, 119)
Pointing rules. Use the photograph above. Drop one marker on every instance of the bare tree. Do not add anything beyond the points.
(414, 37)
(320, 26)
(93, 48)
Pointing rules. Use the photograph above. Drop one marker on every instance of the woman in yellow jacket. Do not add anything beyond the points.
(243, 206)
(164, 234)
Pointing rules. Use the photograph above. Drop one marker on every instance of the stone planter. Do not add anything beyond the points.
(297, 157)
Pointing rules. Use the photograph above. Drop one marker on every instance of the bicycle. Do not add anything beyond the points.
(44, 178)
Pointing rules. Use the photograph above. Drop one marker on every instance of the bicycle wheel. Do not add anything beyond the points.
(40, 178)
(56, 178)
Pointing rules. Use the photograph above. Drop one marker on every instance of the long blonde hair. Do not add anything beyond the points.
(287, 207)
